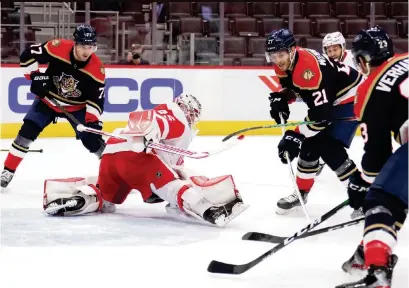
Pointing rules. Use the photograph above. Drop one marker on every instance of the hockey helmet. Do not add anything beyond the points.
(279, 40)
(335, 38)
(190, 106)
(373, 45)
(85, 35)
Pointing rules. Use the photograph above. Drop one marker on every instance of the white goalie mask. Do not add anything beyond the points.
(335, 38)
(190, 106)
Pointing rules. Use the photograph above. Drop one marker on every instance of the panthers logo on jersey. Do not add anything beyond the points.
(67, 86)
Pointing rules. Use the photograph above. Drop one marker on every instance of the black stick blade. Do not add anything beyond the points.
(220, 267)
(248, 236)
(258, 236)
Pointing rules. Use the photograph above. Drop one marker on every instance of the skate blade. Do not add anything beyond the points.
(180, 216)
(52, 209)
(195, 219)
(238, 209)
(281, 211)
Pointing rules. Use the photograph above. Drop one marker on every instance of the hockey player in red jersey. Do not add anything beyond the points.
(75, 78)
(158, 176)
(328, 89)
(381, 189)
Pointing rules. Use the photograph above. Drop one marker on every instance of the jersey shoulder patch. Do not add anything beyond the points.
(307, 72)
(95, 69)
(60, 49)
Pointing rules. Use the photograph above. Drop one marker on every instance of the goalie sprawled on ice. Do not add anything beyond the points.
(159, 176)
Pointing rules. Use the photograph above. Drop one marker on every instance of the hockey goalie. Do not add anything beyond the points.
(128, 163)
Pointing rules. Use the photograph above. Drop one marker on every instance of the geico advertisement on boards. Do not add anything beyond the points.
(225, 94)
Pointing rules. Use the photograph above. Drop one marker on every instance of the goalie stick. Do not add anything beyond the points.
(283, 125)
(158, 146)
(194, 154)
(226, 268)
(258, 236)
(171, 149)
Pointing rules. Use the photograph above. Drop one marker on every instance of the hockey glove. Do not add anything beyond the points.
(357, 190)
(95, 125)
(278, 104)
(290, 143)
(93, 142)
(39, 84)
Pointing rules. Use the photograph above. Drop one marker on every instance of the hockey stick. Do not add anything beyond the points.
(83, 128)
(33, 150)
(62, 108)
(195, 154)
(283, 125)
(158, 146)
(225, 268)
(292, 176)
(71, 117)
(258, 236)
(168, 148)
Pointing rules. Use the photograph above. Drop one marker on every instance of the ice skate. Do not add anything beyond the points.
(291, 202)
(59, 206)
(222, 215)
(378, 277)
(356, 262)
(6, 177)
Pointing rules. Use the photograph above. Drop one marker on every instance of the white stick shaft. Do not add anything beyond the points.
(194, 154)
(168, 148)
(83, 128)
(293, 179)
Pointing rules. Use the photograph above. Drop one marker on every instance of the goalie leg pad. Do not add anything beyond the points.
(196, 195)
(218, 190)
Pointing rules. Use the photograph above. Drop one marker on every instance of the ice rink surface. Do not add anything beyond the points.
(141, 246)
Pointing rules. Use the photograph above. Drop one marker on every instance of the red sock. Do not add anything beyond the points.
(376, 253)
(12, 162)
(305, 184)
(16, 154)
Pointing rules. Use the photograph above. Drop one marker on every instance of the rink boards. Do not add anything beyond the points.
(232, 98)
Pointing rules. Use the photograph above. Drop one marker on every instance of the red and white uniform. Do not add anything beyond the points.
(348, 59)
(128, 162)
(125, 165)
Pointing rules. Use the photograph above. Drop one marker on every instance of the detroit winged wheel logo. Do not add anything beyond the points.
(67, 86)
